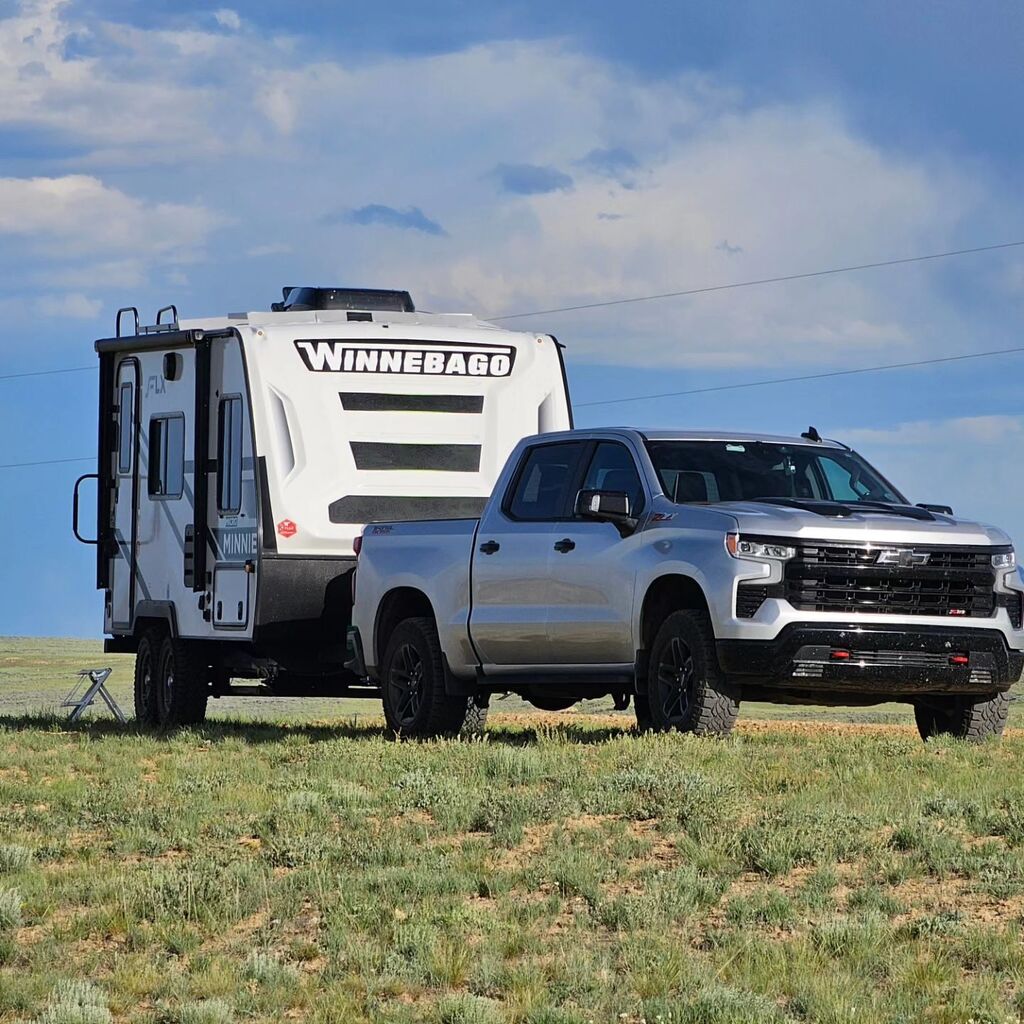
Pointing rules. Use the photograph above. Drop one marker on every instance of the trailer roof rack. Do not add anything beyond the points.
(160, 327)
(306, 298)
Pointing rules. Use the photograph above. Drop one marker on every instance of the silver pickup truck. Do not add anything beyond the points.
(687, 572)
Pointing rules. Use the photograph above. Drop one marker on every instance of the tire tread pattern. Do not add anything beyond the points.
(191, 689)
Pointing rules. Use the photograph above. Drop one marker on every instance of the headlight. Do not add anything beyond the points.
(1004, 559)
(741, 547)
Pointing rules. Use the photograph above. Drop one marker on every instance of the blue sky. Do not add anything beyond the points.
(517, 156)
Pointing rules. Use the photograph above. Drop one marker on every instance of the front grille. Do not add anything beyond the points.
(848, 579)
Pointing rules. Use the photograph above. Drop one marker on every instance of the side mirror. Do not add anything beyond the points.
(944, 510)
(606, 506)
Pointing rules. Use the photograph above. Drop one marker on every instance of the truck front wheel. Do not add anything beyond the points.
(970, 717)
(686, 689)
(416, 703)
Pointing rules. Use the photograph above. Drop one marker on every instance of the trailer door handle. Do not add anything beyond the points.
(489, 547)
(567, 544)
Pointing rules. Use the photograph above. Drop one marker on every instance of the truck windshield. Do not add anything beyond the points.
(710, 471)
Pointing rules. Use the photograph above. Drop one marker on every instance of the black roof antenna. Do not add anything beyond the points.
(811, 433)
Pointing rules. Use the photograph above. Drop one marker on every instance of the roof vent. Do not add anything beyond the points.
(304, 298)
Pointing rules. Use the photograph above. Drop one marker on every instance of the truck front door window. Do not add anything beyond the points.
(612, 469)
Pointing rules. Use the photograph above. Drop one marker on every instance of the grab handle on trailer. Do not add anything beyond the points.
(74, 508)
(174, 318)
(126, 309)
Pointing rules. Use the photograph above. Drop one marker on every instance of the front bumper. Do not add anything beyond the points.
(880, 660)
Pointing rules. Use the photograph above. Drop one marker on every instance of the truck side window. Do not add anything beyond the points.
(542, 486)
(229, 456)
(126, 426)
(167, 456)
(613, 468)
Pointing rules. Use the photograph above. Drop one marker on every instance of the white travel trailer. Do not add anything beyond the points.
(240, 457)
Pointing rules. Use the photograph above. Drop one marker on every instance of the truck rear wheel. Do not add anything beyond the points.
(969, 717)
(416, 704)
(182, 685)
(147, 660)
(686, 689)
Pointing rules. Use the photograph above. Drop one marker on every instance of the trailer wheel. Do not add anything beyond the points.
(967, 717)
(686, 689)
(147, 664)
(412, 677)
(182, 685)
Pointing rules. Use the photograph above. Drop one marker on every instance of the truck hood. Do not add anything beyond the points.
(858, 526)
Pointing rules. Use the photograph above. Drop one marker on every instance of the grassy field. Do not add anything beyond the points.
(562, 870)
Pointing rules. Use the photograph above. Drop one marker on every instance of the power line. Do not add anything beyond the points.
(807, 376)
(759, 281)
(45, 462)
(45, 373)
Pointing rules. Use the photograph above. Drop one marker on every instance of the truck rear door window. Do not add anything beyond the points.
(544, 482)
(166, 456)
(229, 456)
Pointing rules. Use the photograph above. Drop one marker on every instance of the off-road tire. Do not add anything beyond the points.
(147, 666)
(705, 703)
(969, 717)
(475, 722)
(182, 685)
(412, 662)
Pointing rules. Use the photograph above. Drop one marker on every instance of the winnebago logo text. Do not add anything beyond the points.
(438, 360)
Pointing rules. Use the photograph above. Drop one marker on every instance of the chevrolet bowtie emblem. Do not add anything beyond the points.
(903, 557)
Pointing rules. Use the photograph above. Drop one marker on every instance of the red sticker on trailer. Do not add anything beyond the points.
(287, 528)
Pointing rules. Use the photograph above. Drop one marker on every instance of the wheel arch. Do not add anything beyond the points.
(666, 594)
(396, 605)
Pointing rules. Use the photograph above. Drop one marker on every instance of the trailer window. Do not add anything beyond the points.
(166, 456)
(229, 456)
(126, 426)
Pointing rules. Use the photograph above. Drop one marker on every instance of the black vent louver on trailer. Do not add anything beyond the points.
(307, 298)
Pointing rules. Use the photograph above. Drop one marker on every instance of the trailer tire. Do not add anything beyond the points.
(969, 717)
(686, 689)
(183, 685)
(147, 666)
(416, 703)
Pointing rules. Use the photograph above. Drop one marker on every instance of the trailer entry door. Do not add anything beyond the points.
(124, 500)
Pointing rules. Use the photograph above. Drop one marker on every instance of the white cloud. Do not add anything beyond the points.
(78, 215)
(72, 306)
(228, 19)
